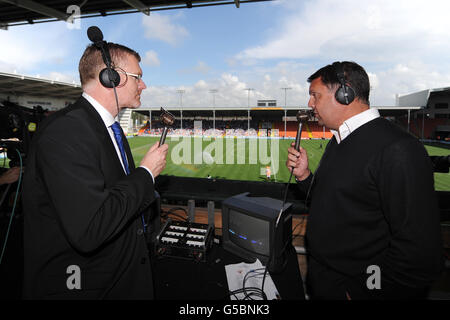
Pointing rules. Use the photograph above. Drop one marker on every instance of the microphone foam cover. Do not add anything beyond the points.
(94, 34)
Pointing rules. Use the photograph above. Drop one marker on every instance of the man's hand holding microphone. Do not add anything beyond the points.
(297, 160)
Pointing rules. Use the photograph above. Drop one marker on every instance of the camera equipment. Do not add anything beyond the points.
(17, 126)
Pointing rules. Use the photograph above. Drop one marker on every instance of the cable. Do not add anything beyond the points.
(173, 214)
(170, 212)
(14, 207)
(262, 293)
(115, 95)
(276, 226)
(279, 216)
(275, 232)
(177, 208)
(249, 292)
(108, 66)
(297, 225)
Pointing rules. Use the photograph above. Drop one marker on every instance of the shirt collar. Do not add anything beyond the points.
(107, 117)
(353, 123)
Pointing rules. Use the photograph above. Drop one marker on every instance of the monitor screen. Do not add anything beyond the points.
(253, 237)
(249, 228)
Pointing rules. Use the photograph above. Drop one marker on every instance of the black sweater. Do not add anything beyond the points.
(373, 203)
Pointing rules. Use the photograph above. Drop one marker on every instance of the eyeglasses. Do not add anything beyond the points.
(138, 77)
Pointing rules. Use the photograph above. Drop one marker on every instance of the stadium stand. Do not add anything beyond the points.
(430, 127)
(310, 131)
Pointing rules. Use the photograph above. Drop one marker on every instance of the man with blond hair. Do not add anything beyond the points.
(86, 206)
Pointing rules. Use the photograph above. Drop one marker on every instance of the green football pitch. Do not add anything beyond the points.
(244, 159)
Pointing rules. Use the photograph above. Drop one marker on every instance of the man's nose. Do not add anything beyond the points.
(142, 85)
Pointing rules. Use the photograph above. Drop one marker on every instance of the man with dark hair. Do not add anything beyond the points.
(373, 226)
(86, 206)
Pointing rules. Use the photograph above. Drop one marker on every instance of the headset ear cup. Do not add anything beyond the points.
(341, 97)
(109, 78)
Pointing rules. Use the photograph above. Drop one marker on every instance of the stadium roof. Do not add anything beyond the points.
(262, 113)
(20, 85)
(421, 97)
(19, 12)
(157, 108)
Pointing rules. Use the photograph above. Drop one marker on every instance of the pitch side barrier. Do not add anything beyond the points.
(178, 190)
(224, 137)
(435, 141)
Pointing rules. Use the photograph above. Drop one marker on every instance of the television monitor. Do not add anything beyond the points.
(249, 229)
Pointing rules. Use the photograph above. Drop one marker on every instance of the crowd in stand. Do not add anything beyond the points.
(207, 128)
(239, 128)
(204, 132)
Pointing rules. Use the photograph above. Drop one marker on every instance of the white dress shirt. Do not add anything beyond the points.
(109, 120)
(353, 123)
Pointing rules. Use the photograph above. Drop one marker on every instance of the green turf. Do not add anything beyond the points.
(196, 157)
(441, 180)
(189, 158)
(235, 159)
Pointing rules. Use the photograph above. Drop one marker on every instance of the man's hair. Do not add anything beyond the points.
(355, 77)
(91, 63)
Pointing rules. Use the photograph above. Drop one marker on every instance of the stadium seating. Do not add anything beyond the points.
(311, 130)
(429, 126)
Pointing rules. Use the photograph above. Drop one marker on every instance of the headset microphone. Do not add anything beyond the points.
(95, 34)
(109, 77)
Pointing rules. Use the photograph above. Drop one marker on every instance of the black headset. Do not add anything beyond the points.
(108, 77)
(344, 94)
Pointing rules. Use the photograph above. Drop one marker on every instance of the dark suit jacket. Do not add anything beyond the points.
(82, 211)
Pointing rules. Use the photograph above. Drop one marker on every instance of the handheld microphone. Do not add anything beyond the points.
(302, 117)
(167, 119)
